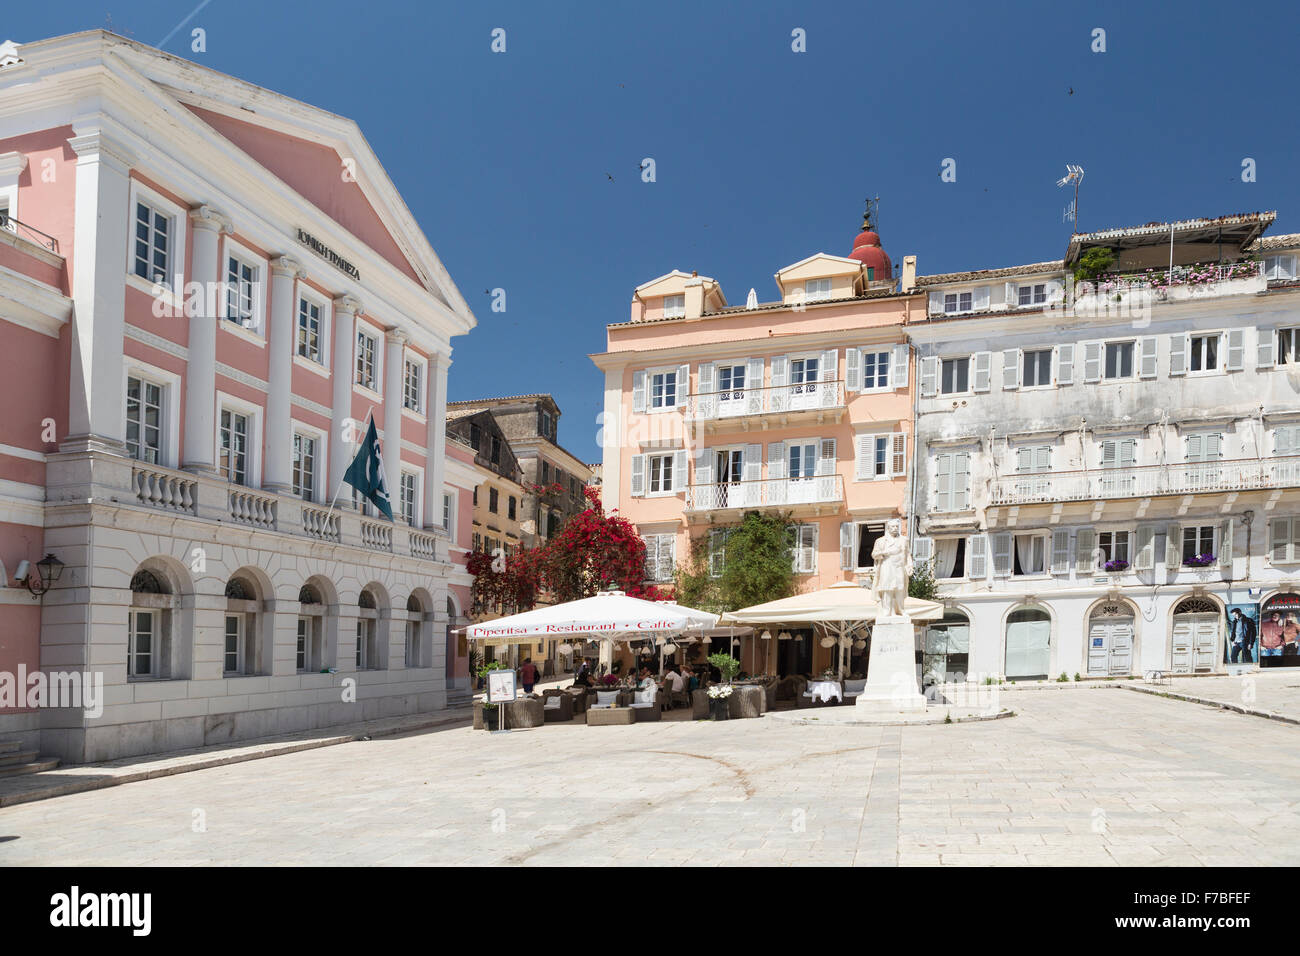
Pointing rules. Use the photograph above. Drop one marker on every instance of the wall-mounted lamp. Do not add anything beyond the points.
(48, 571)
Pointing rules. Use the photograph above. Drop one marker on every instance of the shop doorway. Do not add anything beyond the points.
(947, 649)
(1111, 630)
(1198, 624)
(1029, 644)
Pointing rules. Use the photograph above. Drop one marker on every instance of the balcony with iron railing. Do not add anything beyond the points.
(30, 233)
(204, 497)
(816, 494)
(783, 403)
(1176, 284)
(1189, 478)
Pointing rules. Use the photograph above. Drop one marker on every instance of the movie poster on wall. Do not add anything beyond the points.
(1279, 631)
(1241, 641)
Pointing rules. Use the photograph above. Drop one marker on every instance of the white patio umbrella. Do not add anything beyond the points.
(837, 610)
(608, 616)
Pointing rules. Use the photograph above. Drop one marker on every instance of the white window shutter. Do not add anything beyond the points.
(1283, 443)
(1055, 290)
(1236, 349)
(1266, 340)
(898, 454)
(1147, 356)
(1225, 545)
(922, 548)
(1144, 554)
(1128, 453)
(780, 370)
(1010, 369)
(1024, 459)
(929, 376)
(943, 480)
(936, 303)
(1002, 554)
(638, 391)
(1043, 458)
(1084, 559)
(1092, 361)
(1065, 365)
(1012, 292)
(853, 369)
(980, 300)
(1109, 453)
(846, 546)
(898, 366)
(753, 466)
(983, 363)
(683, 384)
(776, 459)
(863, 458)
(679, 469)
(1173, 547)
(961, 480)
(1178, 353)
(704, 467)
(830, 368)
(638, 475)
(1195, 448)
(707, 385)
(977, 548)
(1061, 551)
(826, 457)
(1279, 540)
(754, 385)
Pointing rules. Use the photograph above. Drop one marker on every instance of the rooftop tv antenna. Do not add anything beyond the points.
(871, 218)
(1073, 174)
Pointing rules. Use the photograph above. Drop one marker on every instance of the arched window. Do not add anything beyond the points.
(148, 653)
(239, 655)
(414, 632)
(308, 653)
(1029, 644)
(367, 631)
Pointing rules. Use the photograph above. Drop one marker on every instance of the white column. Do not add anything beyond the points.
(102, 225)
(345, 318)
(199, 453)
(612, 441)
(435, 409)
(394, 354)
(278, 470)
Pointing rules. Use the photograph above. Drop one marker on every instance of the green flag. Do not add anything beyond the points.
(366, 473)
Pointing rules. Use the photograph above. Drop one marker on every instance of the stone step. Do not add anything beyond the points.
(9, 746)
(35, 766)
(15, 757)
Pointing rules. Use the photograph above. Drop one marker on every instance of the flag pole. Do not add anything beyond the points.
(370, 414)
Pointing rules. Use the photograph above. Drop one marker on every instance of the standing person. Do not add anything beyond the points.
(1242, 633)
(1270, 636)
(674, 683)
(1290, 636)
(528, 675)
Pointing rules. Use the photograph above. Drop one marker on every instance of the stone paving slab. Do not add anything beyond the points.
(94, 776)
(1098, 778)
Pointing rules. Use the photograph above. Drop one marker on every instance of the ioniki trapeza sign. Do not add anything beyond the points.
(328, 254)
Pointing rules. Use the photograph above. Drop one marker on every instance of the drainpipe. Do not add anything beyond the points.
(912, 519)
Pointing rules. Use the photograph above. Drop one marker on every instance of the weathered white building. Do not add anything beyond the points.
(1105, 467)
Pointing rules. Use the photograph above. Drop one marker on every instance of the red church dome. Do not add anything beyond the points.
(867, 250)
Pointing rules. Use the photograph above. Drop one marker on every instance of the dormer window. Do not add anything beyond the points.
(674, 306)
(957, 302)
(817, 290)
(1035, 294)
(1279, 267)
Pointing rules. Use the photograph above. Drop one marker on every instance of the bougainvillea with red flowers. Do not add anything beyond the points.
(591, 552)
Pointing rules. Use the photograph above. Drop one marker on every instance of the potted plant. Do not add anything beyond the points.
(1116, 566)
(1200, 560)
(720, 702)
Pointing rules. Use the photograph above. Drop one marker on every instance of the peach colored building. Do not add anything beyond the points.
(205, 289)
(802, 405)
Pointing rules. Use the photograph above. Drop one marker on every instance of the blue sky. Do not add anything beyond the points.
(763, 155)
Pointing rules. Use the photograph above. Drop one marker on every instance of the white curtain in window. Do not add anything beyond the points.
(1025, 554)
(945, 557)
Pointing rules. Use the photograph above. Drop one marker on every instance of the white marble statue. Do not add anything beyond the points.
(893, 570)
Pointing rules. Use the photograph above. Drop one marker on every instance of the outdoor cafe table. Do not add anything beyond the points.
(825, 689)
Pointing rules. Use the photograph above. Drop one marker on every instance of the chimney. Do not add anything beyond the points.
(694, 297)
(908, 282)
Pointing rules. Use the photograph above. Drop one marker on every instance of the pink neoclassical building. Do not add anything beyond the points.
(800, 405)
(205, 288)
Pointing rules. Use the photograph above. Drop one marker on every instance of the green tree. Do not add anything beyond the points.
(1093, 263)
(922, 583)
(756, 566)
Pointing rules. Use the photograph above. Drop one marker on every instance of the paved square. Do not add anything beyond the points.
(1079, 776)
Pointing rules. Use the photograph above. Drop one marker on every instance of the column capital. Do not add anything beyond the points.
(287, 266)
(207, 217)
(95, 144)
(395, 337)
(347, 303)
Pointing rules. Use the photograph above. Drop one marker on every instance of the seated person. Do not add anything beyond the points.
(693, 680)
(647, 680)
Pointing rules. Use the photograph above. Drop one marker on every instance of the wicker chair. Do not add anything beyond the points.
(699, 703)
(682, 696)
(580, 698)
(525, 712)
(644, 709)
(560, 710)
(747, 701)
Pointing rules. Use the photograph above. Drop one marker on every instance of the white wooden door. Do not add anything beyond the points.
(1110, 648)
(1195, 643)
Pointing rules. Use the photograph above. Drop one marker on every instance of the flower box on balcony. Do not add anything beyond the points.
(1200, 561)
(1116, 566)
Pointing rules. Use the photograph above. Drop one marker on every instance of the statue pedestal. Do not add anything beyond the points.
(891, 670)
